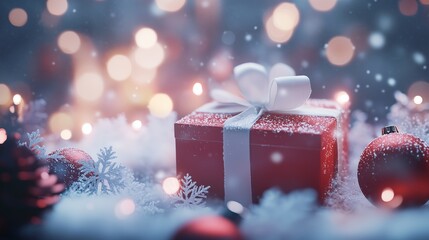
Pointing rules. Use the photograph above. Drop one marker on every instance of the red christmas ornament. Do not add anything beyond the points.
(67, 168)
(213, 227)
(393, 171)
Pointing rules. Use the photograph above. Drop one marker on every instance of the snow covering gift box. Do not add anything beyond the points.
(286, 150)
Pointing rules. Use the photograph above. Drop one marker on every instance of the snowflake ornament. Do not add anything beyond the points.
(35, 144)
(190, 195)
(101, 176)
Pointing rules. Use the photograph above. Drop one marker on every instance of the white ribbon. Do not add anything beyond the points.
(278, 91)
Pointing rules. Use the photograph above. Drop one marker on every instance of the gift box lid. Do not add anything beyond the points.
(298, 131)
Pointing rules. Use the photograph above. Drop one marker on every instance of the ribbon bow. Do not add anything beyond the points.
(280, 90)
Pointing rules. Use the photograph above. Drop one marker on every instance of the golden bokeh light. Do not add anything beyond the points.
(18, 17)
(424, 2)
(5, 94)
(285, 16)
(160, 105)
(89, 86)
(171, 185)
(149, 57)
(57, 7)
(119, 67)
(146, 38)
(340, 50)
(170, 5)
(408, 7)
(323, 5)
(60, 121)
(69, 42)
(197, 89)
(275, 34)
(342, 97)
(66, 134)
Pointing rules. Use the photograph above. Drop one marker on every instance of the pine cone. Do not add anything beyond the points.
(27, 189)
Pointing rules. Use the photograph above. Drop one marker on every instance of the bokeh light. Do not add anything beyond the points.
(342, 97)
(17, 99)
(323, 5)
(276, 157)
(5, 94)
(424, 2)
(57, 7)
(149, 57)
(376, 40)
(89, 86)
(171, 185)
(197, 89)
(408, 7)
(160, 105)
(170, 5)
(419, 88)
(146, 38)
(125, 208)
(18, 17)
(285, 16)
(66, 134)
(387, 195)
(275, 34)
(136, 124)
(86, 128)
(119, 67)
(340, 50)
(3, 135)
(60, 121)
(418, 100)
(69, 42)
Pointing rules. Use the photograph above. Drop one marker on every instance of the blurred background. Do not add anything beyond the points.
(100, 58)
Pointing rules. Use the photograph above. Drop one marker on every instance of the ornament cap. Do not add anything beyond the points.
(389, 129)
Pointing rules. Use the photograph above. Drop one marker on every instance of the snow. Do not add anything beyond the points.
(190, 195)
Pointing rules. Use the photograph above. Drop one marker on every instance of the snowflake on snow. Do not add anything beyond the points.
(190, 195)
(102, 176)
(35, 144)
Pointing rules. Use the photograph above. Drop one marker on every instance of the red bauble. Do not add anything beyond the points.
(209, 227)
(67, 169)
(394, 170)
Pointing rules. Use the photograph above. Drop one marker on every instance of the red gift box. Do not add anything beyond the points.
(289, 151)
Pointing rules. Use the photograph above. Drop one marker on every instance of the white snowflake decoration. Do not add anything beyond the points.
(35, 144)
(102, 176)
(190, 195)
